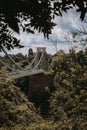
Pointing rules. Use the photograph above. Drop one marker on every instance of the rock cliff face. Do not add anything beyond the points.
(39, 81)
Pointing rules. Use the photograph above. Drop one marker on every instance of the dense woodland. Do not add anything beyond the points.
(63, 104)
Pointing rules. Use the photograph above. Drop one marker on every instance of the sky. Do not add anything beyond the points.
(66, 24)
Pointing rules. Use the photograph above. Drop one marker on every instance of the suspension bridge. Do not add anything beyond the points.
(38, 65)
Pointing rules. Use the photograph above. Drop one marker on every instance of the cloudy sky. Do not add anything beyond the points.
(65, 26)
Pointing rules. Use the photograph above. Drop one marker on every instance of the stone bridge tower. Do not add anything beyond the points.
(44, 61)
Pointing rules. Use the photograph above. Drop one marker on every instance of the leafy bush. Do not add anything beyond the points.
(68, 102)
(15, 108)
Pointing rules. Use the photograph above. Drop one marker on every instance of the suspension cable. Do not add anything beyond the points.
(20, 68)
(29, 66)
(7, 66)
(38, 61)
(11, 58)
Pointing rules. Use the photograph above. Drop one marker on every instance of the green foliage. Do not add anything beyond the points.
(69, 101)
(19, 58)
(63, 104)
(30, 52)
(15, 109)
(6, 38)
(37, 11)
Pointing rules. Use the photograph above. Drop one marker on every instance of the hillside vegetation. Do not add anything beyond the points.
(15, 109)
(66, 98)
(68, 103)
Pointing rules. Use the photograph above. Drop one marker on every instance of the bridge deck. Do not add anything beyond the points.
(25, 74)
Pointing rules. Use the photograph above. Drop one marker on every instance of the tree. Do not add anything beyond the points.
(68, 101)
(39, 15)
(78, 39)
(30, 52)
(15, 109)
(54, 40)
(30, 55)
(6, 38)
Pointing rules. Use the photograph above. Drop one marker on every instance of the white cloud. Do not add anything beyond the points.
(65, 25)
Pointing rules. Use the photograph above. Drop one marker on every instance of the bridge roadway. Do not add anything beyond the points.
(24, 74)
